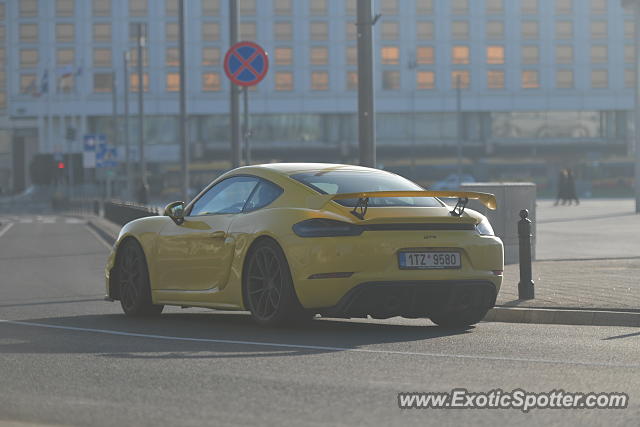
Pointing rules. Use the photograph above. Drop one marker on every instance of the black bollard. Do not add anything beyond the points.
(525, 287)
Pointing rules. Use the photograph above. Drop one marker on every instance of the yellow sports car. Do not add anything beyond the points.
(288, 241)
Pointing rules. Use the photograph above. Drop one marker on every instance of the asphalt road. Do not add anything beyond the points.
(67, 357)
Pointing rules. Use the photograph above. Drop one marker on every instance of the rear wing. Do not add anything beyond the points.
(488, 200)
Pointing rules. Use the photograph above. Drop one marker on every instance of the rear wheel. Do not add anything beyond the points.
(133, 282)
(460, 319)
(268, 288)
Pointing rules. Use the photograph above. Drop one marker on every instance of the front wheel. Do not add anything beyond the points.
(268, 288)
(460, 319)
(133, 282)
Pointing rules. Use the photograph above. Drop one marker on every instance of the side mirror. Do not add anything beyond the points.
(175, 211)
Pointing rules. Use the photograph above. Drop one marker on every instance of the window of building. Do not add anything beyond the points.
(391, 80)
(424, 30)
(461, 78)
(283, 7)
(247, 7)
(102, 82)
(210, 56)
(66, 84)
(425, 80)
(529, 7)
(319, 80)
(352, 55)
(172, 57)
(210, 7)
(494, 6)
(319, 55)
(530, 54)
(629, 53)
(101, 32)
(65, 56)
(460, 7)
(101, 57)
(598, 29)
(530, 79)
(284, 81)
(28, 33)
(460, 54)
(171, 31)
(3, 100)
(495, 54)
(598, 6)
(389, 7)
(530, 30)
(352, 80)
(599, 79)
(564, 79)
(28, 84)
(390, 30)
(424, 7)
(390, 55)
(28, 58)
(248, 30)
(133, 82)
(599, 54)
(460, 30)
(134, 27)
(283, 30)
(2, 11)
(2, 33)
(564, 29)
(629, 29)
(425, 55)
(101, 7)
(629, 77)
(64, 33)
(319, 30)
(210, 31)
(351, 30)
(171, 7)
(133, 57)
(495, 29)
(283, 56)
(350, 7)
(28, 8)
(2, 56)
(64, 8)
(564, 54)
(495, 79)
(137, 8)
(211, 82)
(318, 7)
(564, 7)
(173, 82)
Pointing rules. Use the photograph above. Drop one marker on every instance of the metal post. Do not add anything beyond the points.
(412, 65)
(366, 112)
(637, 107)
(125, 86)
(459, 124)
(114, 108)
(236, 155)
(143, 166)
(525, 286)
(246, 131)
(184, 149)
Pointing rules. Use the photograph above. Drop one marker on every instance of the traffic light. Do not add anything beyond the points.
(61, 165)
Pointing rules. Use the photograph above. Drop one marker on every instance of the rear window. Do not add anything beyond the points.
(338, 182)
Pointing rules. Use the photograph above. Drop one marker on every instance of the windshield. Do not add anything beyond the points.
(338, 182)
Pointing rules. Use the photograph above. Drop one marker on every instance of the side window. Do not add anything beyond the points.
(226, 197)
(266, 193)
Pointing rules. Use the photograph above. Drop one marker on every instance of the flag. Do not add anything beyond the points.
(44, 84)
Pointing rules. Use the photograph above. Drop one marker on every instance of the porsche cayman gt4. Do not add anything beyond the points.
(288, 241)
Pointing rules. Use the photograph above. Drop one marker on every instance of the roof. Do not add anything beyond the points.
(292, 168)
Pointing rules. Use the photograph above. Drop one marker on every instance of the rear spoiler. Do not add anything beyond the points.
(488, 200)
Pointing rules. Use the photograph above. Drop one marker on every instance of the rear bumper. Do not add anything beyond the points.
(413, 299)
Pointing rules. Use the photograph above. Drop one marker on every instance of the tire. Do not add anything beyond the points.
(267, 286)
(133, 282)
(460, 319)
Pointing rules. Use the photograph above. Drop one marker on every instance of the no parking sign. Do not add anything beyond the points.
(246, 63)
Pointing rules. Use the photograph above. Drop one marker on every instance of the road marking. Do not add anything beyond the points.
(4, 230)
(48, 220)
(73, 221)
(25, 220)
(319, 347)
(100, 239)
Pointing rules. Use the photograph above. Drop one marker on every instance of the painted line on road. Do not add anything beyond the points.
(4, 230)
(317, 347)
(97, 236)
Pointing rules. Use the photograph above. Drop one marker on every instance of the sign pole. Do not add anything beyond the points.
(125, 86)
(184, 142)
(366, 109)
(143, 165)
(236, 155)
(247, 129)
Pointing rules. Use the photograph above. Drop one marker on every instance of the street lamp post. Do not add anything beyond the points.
(142, 196)
(366, 111)
(125, 133)
(184, 149)
(634, 6)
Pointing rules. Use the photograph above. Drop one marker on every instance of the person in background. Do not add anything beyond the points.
(562, 187)
(572, 194)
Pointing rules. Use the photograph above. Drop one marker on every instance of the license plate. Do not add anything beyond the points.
(429, 260)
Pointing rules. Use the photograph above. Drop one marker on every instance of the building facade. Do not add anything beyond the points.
(531, 74)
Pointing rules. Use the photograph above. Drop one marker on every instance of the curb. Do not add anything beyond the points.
(102, 231)
(563, 317)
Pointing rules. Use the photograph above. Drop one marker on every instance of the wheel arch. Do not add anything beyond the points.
(114, 292)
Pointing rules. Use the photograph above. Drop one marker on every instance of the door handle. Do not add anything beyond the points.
(218, 235)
